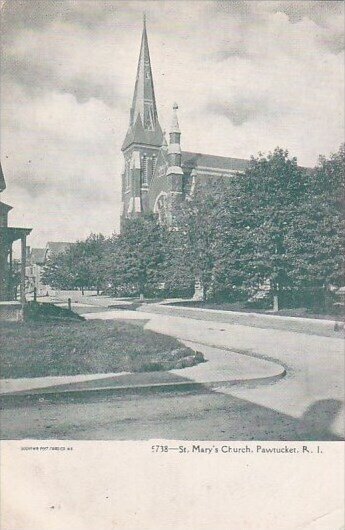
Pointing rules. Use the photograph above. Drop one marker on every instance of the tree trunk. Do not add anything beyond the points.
(275, 302)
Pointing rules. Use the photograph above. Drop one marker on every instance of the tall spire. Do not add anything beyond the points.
(144, 102)
(143, 124)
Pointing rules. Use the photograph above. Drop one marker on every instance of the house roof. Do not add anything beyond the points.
(55, 247)
(2, 179)
(9, 234)
(37, 255)
(202, 161)
(5, 207)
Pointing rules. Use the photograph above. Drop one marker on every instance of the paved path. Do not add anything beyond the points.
(258, 320)
(32, 383)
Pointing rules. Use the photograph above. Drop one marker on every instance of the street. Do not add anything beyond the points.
(200, 415)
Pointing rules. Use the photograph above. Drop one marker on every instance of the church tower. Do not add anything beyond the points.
(174, 170)
(143, 140)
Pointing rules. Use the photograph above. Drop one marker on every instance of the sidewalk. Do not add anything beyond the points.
(251, 319)
(221, 367)
(31, 383)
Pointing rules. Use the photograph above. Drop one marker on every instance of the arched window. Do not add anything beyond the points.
(145, 168)
(161, 207)
(127, 174)
(149, 118)
(154, 163)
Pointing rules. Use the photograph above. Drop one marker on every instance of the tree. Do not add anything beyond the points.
(177, 274)
(295, 218)
(239, 229)
(60, 271)
(225, 224)
(89, 257)
(137, 257)
(198, 223)
(317, 238)
(274, 189)
(233, 245)
(80, 266)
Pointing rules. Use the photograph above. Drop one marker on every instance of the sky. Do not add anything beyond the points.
(248, 76)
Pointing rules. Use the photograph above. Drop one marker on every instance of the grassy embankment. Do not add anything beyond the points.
(68, 347)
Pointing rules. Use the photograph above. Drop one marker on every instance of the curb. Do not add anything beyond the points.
(166, 309)
(253, 314)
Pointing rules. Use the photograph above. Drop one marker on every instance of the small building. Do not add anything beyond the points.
(8, 235)
(53, 248)
(37, 259)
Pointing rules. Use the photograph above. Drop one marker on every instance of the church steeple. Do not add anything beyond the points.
(144, 127)
(174, 149)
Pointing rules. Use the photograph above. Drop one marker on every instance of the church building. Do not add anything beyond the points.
(157, 176)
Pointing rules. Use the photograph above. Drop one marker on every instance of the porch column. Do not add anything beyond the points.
(10, 282)
(22, 269)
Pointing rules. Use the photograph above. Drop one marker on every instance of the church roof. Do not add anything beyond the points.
(213, 162)
(137, 134)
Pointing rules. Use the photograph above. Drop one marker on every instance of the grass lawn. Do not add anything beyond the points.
(37, 349)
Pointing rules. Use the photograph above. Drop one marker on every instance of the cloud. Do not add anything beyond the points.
(247, 76)
(38, 14)
(333, 42)
(37, 79)
(241, 110)
(230, 52)
(319, 11)
(328, 16)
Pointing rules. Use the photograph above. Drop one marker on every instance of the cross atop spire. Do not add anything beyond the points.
(143, 121)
